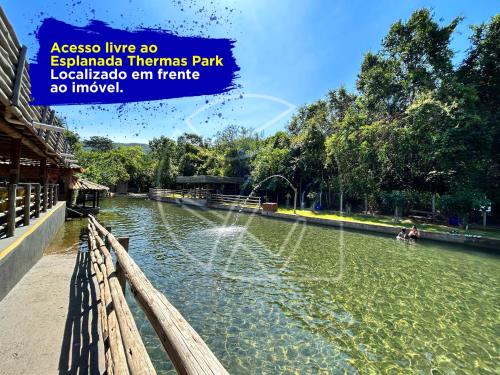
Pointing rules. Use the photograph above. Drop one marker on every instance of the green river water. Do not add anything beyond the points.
(274, 297)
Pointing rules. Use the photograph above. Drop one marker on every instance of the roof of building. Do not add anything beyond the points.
(83, 184)
(202, 179)
(38, 129)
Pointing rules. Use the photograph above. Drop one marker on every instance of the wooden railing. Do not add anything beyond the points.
(15, 94)
(226, 199)
(125, 352)
(235, 200)
(183, 193)
(19, 203)
(186, 349)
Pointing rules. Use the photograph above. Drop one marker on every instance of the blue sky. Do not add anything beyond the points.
(291, 52)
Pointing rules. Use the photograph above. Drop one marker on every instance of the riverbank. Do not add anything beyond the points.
(351, 223)
(389, 221)
(356, 222)
(427, 232)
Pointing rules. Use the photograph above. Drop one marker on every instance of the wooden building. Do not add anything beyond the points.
(33, 145)
(36, 165)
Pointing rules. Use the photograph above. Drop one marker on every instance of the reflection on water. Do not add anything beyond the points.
(67, 238)
(274, 297)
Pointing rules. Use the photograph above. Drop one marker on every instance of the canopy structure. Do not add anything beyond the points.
(78, 183)
(83, 191)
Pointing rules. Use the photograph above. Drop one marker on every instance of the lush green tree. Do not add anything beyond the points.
(162, 154)
(97, 143)
(123, 164)
(73, 139)
(316, 113)
(415, 58)
(189, 156)
(352, 159)
(340, 102)
(307, 156)
(481, 71)
(463, 202)
(104, 168)
(139, 167)
(273, 158)
(238, 146)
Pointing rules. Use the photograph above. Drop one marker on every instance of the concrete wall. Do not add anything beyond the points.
(475, 241)
(201, 203)
(225, 207)
(19, 253)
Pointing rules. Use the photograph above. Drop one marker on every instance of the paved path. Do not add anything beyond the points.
(48, 324)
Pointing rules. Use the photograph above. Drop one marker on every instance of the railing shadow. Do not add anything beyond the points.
(80, 349)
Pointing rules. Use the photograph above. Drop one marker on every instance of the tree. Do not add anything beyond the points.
(104, 168)
(139, 167)
(316, 112)
(96, 143)
(481, 71)
(238, 146)
(162, 156)
(189, 155)
(73, 141)
(307, 158)
(352, 158)
(462, 202)
(273, 158)
(415, 58)
(340, 102)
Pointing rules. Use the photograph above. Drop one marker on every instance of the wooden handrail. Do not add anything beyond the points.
(233, 200)
(137, 357)
(115, 358)
(186, 349)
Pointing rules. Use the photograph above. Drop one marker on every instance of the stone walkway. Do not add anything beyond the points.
(49, 322)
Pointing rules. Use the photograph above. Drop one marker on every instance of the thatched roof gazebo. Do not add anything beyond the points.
(83, 191)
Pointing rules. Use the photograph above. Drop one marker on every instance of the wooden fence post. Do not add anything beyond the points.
(11, 213)
(50, 196)
(54, 194)
(45, 197)
(27, 205)
(120, 273)
(37, 200)
(106, 242)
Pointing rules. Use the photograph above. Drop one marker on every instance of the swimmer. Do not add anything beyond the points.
(402, 234)
(414, 233)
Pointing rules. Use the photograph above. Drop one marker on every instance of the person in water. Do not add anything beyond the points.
(402, 234)
(414, 233)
